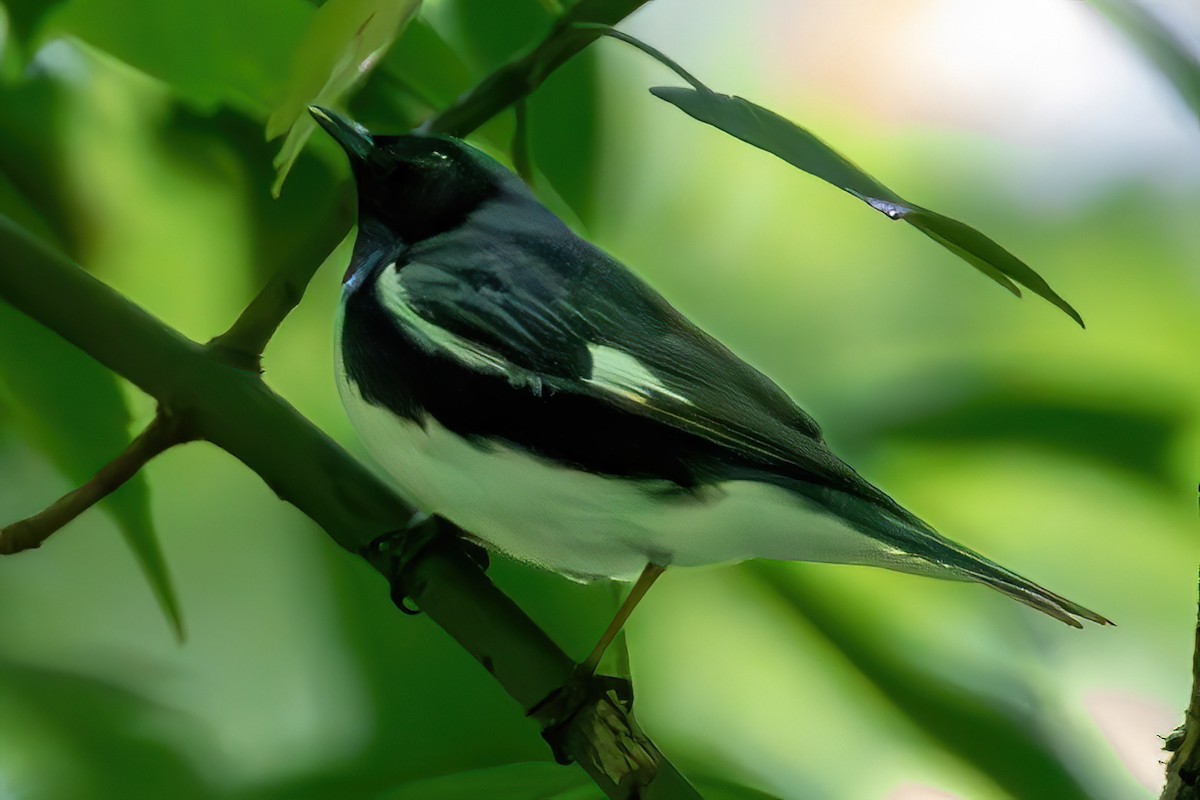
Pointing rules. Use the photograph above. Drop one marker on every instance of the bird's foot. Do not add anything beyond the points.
(584, 693)
(392, 552)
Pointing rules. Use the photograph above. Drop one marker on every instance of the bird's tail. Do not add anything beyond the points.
(953, 560)
(1030, 593)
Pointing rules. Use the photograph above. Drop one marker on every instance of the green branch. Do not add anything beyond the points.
(1183, 768)
(521, 76)
(234, 409)
(215, 392)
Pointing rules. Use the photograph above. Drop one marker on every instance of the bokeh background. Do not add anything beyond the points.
(131, 135)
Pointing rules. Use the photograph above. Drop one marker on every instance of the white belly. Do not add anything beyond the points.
(590, 526)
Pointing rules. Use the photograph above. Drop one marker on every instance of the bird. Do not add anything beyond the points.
(525, 385)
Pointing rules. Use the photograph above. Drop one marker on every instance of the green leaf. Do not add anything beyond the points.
(525, 781)
(217, 51)
(564, 120)
(421, 66)
(768, 131)
(983, 730)
(1173, 57)
(23, 18)
(565, 126)
(1135, 439)
(75, 413)
(344, 41)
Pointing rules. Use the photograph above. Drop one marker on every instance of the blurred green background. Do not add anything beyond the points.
(131, 135)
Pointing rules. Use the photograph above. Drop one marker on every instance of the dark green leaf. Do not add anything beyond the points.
(344, 40)
(1131, 439)
(490, 32)
(421, 64)
(24, 17)
(563, 114)
(768, 131)
(565, 126)
(218, 51)
(82, 737)
(995, 736)
(74, 411)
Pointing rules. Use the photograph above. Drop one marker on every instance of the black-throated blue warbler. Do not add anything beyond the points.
(525, 385)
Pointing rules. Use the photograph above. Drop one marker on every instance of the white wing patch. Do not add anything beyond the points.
(618, 372)
(613, 371)
(433, 339)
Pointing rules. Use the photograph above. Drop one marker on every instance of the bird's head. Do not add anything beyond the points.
(418, 186)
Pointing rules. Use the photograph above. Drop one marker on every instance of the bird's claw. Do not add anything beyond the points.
(392, 552)
(558, 710)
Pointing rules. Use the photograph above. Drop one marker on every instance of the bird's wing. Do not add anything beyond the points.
(589, 327)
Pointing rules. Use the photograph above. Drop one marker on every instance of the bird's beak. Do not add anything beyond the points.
(353, 138)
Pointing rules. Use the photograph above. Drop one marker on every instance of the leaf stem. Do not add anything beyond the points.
(163, 433)
(655, 53)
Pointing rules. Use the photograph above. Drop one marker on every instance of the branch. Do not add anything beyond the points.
(163, 433)
(1183, 770)
(235, 410)
(519, 77)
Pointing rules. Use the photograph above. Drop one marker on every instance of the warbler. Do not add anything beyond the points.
(525, 385)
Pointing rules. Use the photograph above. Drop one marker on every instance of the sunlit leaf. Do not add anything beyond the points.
(768, 131)
(218, 51)
(73, 411)
(344, 41)
(1174, 58)
(511, 782)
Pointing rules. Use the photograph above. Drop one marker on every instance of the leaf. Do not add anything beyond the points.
(23, 18)
(1173, 57)
(563, 114)
(75, 412)
(768, 131)
(564, 131)
(344, 41)
(525, 781)
(217, 51)
(1122, 436)
(426, 66)
(994, 736)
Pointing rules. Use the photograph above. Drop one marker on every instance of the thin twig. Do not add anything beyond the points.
(520, 77)
(655, 53)
(164, 432)
(235, 410)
